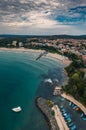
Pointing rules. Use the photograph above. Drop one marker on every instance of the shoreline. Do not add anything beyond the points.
(56, 56)
(70, 98)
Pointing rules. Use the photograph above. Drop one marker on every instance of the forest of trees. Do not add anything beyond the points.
(77, 80)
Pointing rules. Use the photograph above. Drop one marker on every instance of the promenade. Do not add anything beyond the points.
(70, 98)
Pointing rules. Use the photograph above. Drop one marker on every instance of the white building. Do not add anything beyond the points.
(20, 44)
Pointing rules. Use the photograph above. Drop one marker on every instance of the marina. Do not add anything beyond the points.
(70, 98)
(71, 114)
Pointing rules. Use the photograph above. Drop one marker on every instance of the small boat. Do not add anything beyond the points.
(17, 109)
(81, 115)
(69, 121)
(73, 127)
(70, 103)
(62, 99)
(84, 118)
(65, 114)
(76, 108)
(61, 106)
(73, 105)
(70, 124)
(63, 110)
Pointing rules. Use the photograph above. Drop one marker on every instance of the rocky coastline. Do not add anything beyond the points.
(46, 110)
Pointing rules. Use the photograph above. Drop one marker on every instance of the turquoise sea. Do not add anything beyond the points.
(21, 81)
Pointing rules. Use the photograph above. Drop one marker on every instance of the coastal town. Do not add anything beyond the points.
(42, 64)
(73, 53)
(61, 46)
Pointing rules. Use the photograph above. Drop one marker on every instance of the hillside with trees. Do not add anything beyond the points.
(77, 80)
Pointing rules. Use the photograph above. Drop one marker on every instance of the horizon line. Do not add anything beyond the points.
(45, 34)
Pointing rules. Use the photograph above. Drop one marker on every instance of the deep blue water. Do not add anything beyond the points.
(21, 81)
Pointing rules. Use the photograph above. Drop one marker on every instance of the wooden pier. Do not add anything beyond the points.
(42, 54)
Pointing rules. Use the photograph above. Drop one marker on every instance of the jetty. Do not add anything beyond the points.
(42, 54)
(45, 106)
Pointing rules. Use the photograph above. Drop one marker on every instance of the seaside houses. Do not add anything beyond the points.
(20, 44)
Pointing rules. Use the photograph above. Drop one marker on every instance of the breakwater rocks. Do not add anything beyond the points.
(45, 107)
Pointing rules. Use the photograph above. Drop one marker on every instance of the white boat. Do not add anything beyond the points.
(17, 109)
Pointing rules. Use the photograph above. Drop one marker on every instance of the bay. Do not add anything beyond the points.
(21, 81)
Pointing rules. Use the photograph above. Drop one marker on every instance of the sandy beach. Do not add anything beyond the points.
(70, 98)
(20, 50)
(65, 60)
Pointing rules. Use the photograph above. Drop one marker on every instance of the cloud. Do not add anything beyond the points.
(42, 15)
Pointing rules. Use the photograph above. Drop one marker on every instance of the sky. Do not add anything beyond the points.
(43, 17)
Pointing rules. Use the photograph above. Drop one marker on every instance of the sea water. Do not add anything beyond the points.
(21, 81)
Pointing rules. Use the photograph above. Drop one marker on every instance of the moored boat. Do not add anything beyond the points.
(70, 124)
(84, 118)
(70, 103)
(73, 127)
(81, 115)
(17, 109)
(74, 107)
